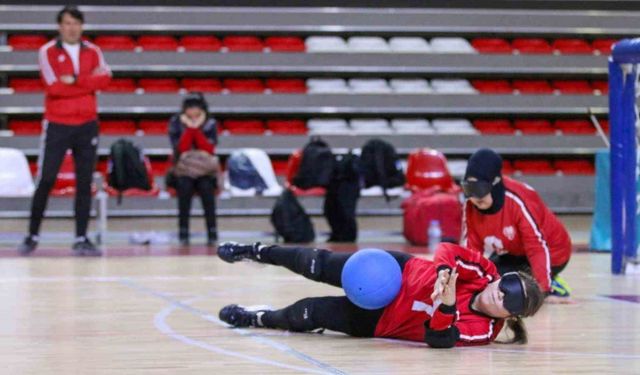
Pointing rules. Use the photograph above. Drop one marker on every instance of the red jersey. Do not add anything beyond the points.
(406, 316)
(523, 227)
(73, 104)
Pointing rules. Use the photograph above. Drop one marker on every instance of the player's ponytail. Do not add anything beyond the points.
(533, 302)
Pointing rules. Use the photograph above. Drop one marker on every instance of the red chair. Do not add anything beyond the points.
(242, 43)
(159, 84)
(154, 127)
(287, 126)
(244, 86)
(244, 126)
(26, 127)
(121, 85)
(492, 45)
(115, 42)
(202, 84)
(601, 86)
(117, 127)
(604, 124)
(492, 86)
(26, 84)
(134, 192)
(575, 126)
(507, 168)
(494, 126)
(532, 127)
(160, 167)
(102, 166)
(65, 184)
(603, 46)
(572, 46)
(287, 85)
(292, 170)
(26, 42)
(285, 44)
(532, 46)
(200, 43)
(427, 168)
(534, 167)
(572, 87)
(158, 43)
(580, 167)
(539, 86)
(280, 167)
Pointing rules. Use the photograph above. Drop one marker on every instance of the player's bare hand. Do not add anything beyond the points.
(441, 281)
(67, 79)
(448, 296)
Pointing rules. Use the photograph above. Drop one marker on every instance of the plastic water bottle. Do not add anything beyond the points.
(434, 235)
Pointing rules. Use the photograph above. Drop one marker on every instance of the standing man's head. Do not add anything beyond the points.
(70, 21)
(482, 182)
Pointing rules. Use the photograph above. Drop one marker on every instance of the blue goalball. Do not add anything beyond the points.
(371, 278)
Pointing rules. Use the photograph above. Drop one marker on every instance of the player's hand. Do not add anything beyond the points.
(188, 122)
(199, 121)
(441, 281)
(67, 79)
(448, 295)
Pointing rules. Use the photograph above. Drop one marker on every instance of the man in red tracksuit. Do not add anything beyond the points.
(71, 70)
(508, 219)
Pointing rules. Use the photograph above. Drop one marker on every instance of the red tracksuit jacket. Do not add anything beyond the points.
(407, 315)
(71, 104)
(524, 227)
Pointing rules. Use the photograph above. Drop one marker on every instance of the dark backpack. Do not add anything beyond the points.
(341, 199)
(381, 165)
(243, 174)
(290, 220)
(316, 165)
(126, 167)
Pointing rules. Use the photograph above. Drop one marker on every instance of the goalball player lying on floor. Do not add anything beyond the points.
(455, 300)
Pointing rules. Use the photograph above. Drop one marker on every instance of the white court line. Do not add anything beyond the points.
(111, 279)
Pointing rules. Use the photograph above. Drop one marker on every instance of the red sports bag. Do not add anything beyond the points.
(432, 204)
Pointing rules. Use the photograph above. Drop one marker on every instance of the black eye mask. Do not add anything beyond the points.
(514, 296)
(476, 189)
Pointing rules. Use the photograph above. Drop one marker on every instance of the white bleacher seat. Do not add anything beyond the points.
(370, 126)
(327, 86)
(369, 86)
(326, 44)
(451, 45)
(412, 126)
(367, 44)
(410, 86)
(15, 176)
(453, 126)
(328, 126)
(405, 44)
(452, 86)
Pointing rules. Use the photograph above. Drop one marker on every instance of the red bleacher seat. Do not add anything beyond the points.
(285, 44)
(201, 43)
(534, 166)
(538, 86)
(102, 166)
(26, 84)
(427, 168)
(603, 46)
(507, 167)
(601, 86)
(115, 42)
(234, 43)
(604, 123)
(286, 85)
(154, 127)
(280, 167)
(573, 86)
(121, 85)
(532, 45)
(159, 167)
(492, 86)
(25, 127)
(494, 126)
(572, 46)
(574, 166)
(66, 179)
(575, 126)
(537, 126)
(287, 126)
(136, 192)
(492, 45)
(26, 42)
(159, 84)
(117, 127)
(202, 84)
(292, 169)
(246, 85)
(244, 126)
(158, 43)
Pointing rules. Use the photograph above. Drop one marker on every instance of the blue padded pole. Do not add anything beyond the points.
(629, 163)
(617, 215)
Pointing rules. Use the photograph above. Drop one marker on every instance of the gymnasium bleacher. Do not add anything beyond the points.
(450, 79)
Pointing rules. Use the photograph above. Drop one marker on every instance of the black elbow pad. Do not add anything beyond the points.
(443, 339)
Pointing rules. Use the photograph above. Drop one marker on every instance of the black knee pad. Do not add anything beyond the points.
(310, 264)
(300, 316)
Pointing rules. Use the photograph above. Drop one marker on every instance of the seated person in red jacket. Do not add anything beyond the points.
(457, 299)
(509, 220)
(194, 129)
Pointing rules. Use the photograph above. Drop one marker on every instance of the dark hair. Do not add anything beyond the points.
(71, 10)
(534, 298)
(195, 99)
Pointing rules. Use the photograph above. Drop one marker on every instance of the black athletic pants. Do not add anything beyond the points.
(205, 187)
(334, 313)
(82, 140)
(510, 263)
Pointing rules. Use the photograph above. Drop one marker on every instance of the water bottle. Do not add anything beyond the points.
(434, 235)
